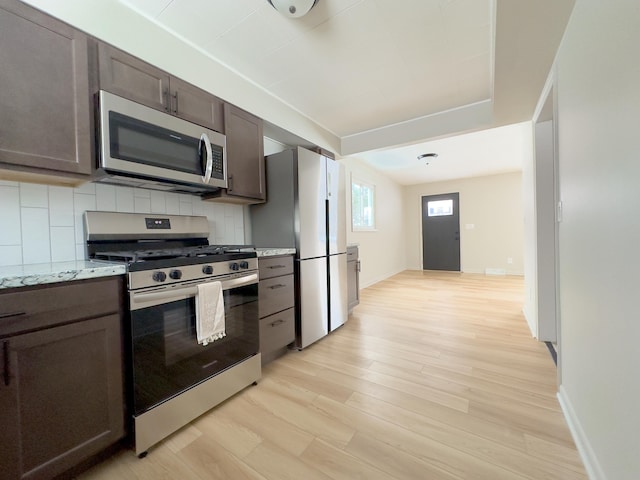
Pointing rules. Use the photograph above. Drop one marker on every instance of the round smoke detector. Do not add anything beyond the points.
(428, 157)
(293, 8)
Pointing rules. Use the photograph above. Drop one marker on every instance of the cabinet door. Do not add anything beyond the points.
(9, 420)
(128, 76)
(45, 103)
(68, 380)
(196, 105)
(353, 277)
(245, 153)
(352, 282)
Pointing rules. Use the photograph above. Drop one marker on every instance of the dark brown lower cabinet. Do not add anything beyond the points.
(353, 277)
(61, 394)
(277, 301)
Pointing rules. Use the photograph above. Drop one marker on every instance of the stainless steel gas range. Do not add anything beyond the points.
(172, 378)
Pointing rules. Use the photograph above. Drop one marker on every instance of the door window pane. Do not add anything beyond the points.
(440, 208)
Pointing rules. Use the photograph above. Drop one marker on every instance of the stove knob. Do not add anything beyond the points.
(244, 265)
(234, 266)
(207, 269)
(159, 276)
(175, 274)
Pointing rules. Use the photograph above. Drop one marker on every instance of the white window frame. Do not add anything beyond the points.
(365, 226)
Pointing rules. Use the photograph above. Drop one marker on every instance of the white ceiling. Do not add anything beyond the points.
(381, 73)
(486, 152)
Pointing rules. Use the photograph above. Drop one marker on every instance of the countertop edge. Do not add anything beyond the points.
(272, 252)
(44, 273)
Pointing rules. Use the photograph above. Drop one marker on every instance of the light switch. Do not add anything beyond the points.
(469, 226)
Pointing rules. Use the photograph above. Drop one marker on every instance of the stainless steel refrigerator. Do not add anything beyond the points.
(306, 210)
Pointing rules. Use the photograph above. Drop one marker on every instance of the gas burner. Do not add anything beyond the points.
(204, 250)
(201, 251)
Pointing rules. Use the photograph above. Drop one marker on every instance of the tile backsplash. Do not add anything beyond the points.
(43, 223)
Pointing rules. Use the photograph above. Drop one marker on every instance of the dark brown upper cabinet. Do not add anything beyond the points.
(46, 129)
(127, 76)
(245, 158)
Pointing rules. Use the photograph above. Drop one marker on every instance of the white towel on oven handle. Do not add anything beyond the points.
(210, 322)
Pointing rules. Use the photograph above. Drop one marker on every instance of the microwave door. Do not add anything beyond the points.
(149, 144)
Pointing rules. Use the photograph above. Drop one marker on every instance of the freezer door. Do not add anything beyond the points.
(313, 321)
(338, 296)
(337, 211)
(311, 208)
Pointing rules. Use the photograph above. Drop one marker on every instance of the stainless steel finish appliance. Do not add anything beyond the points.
(143, 147)
(306, 211)
(172, 378)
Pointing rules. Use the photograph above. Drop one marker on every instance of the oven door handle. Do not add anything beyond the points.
(148, 299)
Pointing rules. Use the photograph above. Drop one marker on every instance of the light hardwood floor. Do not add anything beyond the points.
(435, 376)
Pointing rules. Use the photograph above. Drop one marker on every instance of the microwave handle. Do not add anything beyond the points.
(209, 166)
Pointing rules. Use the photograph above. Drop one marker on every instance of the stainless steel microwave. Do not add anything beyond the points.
(147, 148)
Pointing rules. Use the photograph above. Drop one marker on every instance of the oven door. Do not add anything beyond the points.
(165, 355)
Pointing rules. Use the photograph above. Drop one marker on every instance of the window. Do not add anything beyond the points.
(439, 208)
(362, 205)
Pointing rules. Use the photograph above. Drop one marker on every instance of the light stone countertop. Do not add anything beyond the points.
(272, 252)
(42, 273)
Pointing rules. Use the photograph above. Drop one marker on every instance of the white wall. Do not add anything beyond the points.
(381, 251)
(598, 92)
(492, 204)
(42, 224)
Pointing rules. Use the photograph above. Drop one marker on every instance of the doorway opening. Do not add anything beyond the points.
(441, 232)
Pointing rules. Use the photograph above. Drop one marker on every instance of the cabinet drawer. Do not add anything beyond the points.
(32, 308)
(275, 294)
(275, 266)
(277, 331)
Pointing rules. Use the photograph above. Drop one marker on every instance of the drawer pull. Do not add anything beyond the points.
(9, 315)
(276, 266)
(279, 285)
(5, 354)
(277, 322)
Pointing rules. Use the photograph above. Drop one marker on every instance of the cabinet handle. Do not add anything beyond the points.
(276, 266)
(165, 97)
(280, 285)
(15, 314)
(175, 109)
(277, 322)
(206, 152)
(7, 371)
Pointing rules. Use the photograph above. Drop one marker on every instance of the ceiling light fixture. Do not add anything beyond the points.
(293, 8)
(428, 157)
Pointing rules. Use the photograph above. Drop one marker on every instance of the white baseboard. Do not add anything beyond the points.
(591, 464)
(495, 271)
